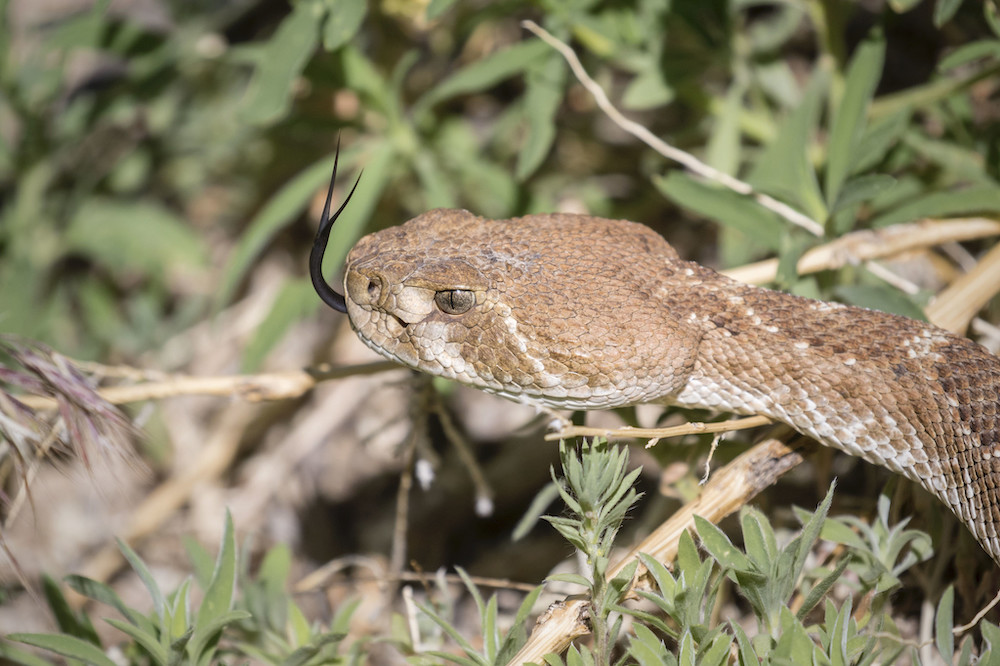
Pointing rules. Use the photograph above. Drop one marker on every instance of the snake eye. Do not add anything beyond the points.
(455, 301)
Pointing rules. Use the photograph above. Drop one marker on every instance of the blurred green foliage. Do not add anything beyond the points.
(147, 163)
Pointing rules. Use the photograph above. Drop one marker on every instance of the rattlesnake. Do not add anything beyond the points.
(581, 312)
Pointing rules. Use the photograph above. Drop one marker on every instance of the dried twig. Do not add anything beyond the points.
(255, 388)
(689, 161)
(692, 428)
(863, 245)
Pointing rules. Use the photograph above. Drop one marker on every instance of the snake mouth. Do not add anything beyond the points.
(403, 326)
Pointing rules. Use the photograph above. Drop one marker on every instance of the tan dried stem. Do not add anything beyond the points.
(859, 246)
(254, 388)
(688, 160)
(690, 428)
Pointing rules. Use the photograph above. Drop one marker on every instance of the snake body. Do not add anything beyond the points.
(580, 312)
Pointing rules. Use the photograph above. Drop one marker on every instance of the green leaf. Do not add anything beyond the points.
(294, 302)
(215, 611)
(282, 209)
(209, 632)
(879, 138)
(148, 641)
(16, 655)
(450, 630)
(159, 603)
(971, 200)
(794, 645)
(984, 48)
(686, 657)
(201, 561)
(438, 7)
(688, 560)
(724, 206)
(723, 150)
(839, 632)
(944, 10)
(665, 582)
(960, 165)
(67, 646)
(848, 125)
(720, 547)
(718, 651)
(648, 89)
(302, 655)
(282, 59)
(748, 657)
(944, 622)
(647, 649)
(575, 579)
(438, 185)
(516, 637)
(103, 593)
(68, 620)
(545, 84)
(812, 529)
(991, 12)
(819, 590)
(221, 590)
(879, 297)
(343, 19)
(180, 611)
(783, 168)
(862, 188)
(991, 634)
(758, 546)
(546, 496)
(484, 74)
(143, 237)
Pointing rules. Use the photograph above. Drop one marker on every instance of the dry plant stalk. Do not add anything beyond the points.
(868, 244)
(690, 428)
(689, 161)
(255, 388)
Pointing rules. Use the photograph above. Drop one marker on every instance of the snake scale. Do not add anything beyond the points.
(580, 312)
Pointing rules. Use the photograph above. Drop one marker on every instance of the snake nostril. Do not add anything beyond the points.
(374, 289)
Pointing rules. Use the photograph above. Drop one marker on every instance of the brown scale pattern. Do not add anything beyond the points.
(583, 312)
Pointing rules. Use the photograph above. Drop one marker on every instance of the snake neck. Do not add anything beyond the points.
(898, 393)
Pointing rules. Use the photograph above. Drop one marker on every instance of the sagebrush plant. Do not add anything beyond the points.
(263, 624)
(784, 589)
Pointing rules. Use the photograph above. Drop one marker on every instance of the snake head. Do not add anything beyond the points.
(521, 307)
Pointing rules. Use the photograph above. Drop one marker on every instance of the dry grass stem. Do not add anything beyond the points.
(693, 428)
(255, 388)
(979, 616)
(958, 303)
(321, 577)
(867, 244)
(689, 161)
